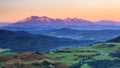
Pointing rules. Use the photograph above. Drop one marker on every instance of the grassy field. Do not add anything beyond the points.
(71, 56)
(99, 51)
(6, 54)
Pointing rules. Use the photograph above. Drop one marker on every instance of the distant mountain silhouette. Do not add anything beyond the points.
(46, 21)
(39, 23)
(108, 22)
(4, 23)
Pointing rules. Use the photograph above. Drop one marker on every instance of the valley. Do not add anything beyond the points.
(92, 56)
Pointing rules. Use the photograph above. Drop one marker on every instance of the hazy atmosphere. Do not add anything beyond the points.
(59, 33)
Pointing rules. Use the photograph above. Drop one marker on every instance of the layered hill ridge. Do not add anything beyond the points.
(20, 41)
(97, 35)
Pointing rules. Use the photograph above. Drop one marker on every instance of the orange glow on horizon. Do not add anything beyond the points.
(93, 10)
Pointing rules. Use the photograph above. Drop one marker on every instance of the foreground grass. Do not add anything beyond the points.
(71, 56)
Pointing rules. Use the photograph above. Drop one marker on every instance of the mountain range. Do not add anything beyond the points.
(74, 28)
(34, 23)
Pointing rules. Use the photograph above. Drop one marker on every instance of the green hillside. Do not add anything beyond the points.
(83, 57)
(95, 52)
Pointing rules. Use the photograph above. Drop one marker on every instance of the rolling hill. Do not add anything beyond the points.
(117, 39)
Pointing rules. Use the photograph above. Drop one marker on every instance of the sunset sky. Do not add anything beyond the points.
(94, 10)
